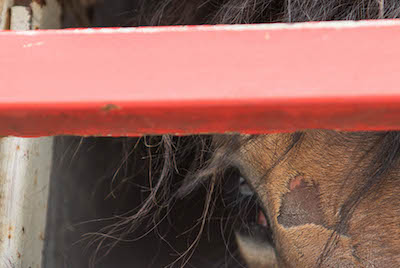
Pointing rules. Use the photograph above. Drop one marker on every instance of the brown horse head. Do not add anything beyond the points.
(331, 199)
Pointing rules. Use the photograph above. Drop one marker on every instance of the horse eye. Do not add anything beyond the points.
(247, 192)
(244, 188)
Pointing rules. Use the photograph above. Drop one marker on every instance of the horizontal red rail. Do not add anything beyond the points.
(201, 79)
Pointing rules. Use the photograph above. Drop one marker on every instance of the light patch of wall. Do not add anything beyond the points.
(25, 166)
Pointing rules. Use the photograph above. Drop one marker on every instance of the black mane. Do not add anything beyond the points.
(177, 12)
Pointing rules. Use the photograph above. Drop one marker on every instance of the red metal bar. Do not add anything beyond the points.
(208, 79)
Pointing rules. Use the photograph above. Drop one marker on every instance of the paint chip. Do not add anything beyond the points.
(37, 44)
(110, 107)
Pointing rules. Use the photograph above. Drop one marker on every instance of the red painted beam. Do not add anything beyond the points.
(208, 79)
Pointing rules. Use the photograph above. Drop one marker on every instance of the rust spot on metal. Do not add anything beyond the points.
(110, 107)
(10, 229)
(40, 2)
(28, 2)
(8, 19)
(35, 178)
(22, 2)
(25, 3)
(18, 147)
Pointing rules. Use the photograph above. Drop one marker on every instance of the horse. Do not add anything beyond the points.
(325, 198)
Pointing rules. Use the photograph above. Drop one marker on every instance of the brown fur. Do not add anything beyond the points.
(325, 158)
